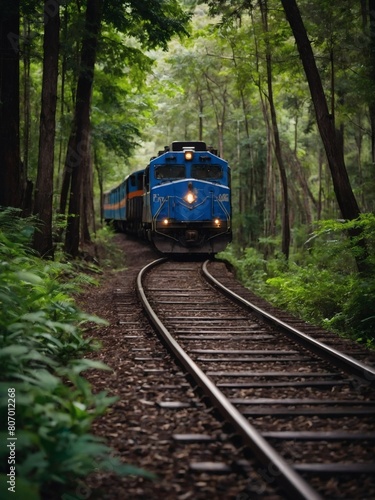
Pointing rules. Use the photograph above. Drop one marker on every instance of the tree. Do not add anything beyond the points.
(276, 136)
(331, 139)
(11, 177)
(371, 11)
(78, 146)
(152, 25)
(43, 201)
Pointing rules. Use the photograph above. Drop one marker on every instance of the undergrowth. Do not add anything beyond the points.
(41, 348)
(320, 283)
(106, 251)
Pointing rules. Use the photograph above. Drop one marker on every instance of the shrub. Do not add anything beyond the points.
(308, 292)
(325, 287)
(357, 317)
(40, 344)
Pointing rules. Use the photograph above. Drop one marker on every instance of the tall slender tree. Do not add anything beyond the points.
(43, 201)
(11, 178)
(78, 147)
(276, 136)
(332, 142)
(152, 24)
(371, 10)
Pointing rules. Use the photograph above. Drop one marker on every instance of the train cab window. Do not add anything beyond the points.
(132, 180)
(205, 172)
(170, 172)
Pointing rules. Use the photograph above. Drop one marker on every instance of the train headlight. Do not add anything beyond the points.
(189, 155)
(190, 197)
(217, 222)
(165, 222)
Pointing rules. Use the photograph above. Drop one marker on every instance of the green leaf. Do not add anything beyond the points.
(34, 461)
(13, 350)
(35, 317)
(42, 378)
(80, 410)
(29, 277)
(80, 365)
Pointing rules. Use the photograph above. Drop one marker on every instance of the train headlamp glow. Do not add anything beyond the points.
(189, 155)
(217, 222)
(165, 222)
(190, 196)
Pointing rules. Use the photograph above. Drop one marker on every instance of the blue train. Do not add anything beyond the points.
(181, 202)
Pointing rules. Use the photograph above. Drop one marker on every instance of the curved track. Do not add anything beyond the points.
(304, 409)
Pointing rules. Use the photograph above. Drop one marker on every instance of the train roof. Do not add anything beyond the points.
(124, 180)
(181, 145)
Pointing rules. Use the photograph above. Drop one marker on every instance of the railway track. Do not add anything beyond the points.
(305, 409)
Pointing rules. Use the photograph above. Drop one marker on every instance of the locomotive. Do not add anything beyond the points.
(181, 202)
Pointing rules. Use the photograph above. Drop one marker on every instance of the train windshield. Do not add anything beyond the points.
(204, 172)
(170, 172)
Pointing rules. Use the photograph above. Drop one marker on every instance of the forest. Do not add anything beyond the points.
(91, 89)
(285, 92)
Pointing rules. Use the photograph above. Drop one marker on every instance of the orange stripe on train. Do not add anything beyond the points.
(121, 204)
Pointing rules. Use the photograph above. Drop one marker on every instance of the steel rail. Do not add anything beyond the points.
(347, 363)
(294, 485)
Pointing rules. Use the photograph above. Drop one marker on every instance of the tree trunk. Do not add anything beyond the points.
(299, 177)
(79, 138)
(87, 211)
(43, 202)
(12, 183)
(63, 71)
(270, 198)
(320, 192)
(26, 56)
(99, 173)
(276, 137)
(271, 211)
(371, 9)
(248, 199)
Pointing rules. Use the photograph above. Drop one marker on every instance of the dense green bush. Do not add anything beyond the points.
(357, 317)
(324, 287)
(41, 343)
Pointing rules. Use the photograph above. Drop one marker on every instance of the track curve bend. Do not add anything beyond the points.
(293, 402)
